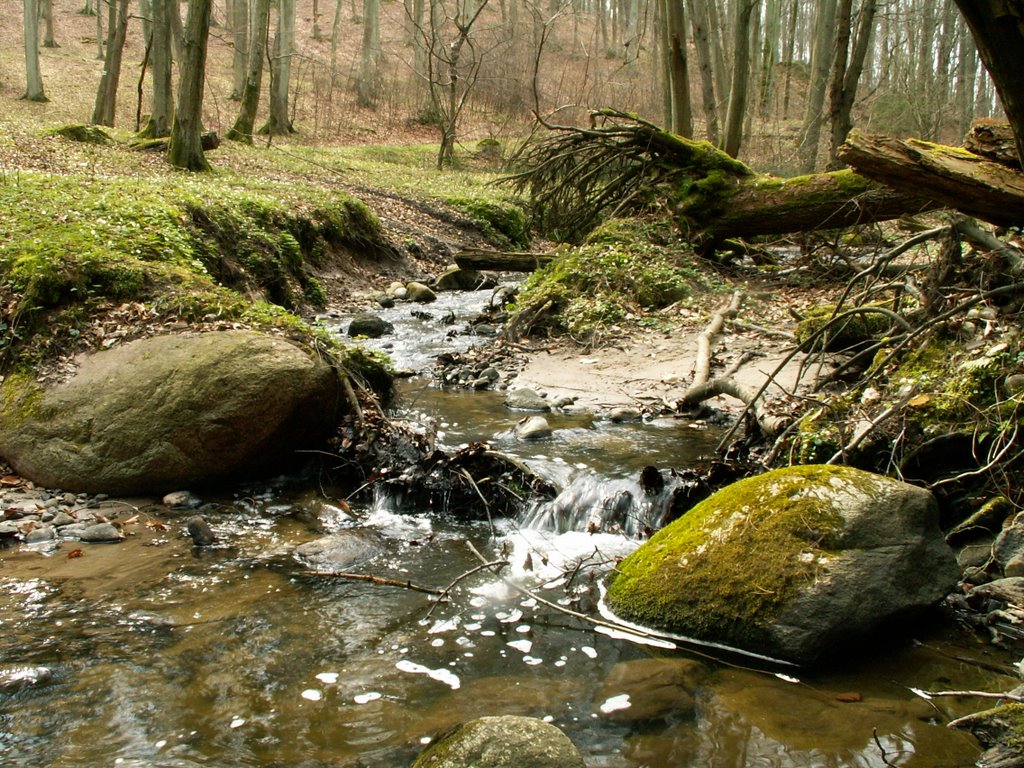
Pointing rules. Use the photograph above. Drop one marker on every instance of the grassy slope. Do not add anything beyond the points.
(96, 229)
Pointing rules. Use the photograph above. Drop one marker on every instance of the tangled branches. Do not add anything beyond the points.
(575, 176)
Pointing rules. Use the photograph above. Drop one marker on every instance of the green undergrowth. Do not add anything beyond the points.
(943, 387)
(627, 270)
(185, 249)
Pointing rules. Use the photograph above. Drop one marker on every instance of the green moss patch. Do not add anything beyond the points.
(86, 134)
(181, 248)
(626, 269)
(504, 223)
(724, 570)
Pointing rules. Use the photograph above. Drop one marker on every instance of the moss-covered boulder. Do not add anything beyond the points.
(169, 412)
(792, 564)
(507, 741)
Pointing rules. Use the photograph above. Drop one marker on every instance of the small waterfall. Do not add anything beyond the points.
(596, 504)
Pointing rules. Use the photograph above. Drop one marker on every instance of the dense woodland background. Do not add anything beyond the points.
(760, 77)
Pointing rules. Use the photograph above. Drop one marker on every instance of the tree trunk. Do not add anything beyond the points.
(740, 86)
(186, 148)
(106, 95)
(33, 74)
(501, 261)
(680, 116)
(46, 12)
(369, 84)
(821, 60)
(998, 29)
(245, 123)
(846, 73)
(238, 19)
(279, 123)
(160, 57)
(702, 44)
(99, 31)
(177, 33)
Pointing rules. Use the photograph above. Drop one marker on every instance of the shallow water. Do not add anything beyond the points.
(150, 653)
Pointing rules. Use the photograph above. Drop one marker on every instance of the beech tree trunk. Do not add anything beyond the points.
(186, 147)
(159, 124)
(279, 123)
(33, 75)
(238, 19)
(106, 95)
(245, 123)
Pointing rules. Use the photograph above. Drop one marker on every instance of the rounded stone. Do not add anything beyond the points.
(420, 293)
(169, 412)
(794, 564)
(533, 428)
(101, 533)
(370, 326)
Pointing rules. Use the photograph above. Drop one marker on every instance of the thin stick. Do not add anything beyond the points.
(970, 694)
(881, 749)
(375, 580)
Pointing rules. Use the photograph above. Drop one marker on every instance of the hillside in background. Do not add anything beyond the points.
(558, 59)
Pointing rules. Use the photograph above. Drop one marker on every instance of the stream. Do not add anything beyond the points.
(152, 653)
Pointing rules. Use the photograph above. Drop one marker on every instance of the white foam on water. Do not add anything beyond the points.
(524, 646)
(442, 675)
(312, 694)
(615, 703)
(330, 678)
(366, 698)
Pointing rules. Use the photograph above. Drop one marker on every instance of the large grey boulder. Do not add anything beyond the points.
(507, 741)
(793, 564)
(168, 412)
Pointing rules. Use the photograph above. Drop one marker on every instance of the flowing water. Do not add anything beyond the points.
(150, 653)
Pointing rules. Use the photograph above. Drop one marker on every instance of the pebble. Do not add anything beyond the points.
(182, 500)
(101, 532)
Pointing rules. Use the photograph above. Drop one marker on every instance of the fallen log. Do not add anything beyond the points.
(767, 205)
(993, 140)
(577, 176)
(501, 261)
(951, 176)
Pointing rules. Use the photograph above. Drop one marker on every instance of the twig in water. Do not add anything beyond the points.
(375, 580)
(881, 749)
(499, 564)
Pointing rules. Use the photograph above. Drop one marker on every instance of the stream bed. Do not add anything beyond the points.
(153, 653)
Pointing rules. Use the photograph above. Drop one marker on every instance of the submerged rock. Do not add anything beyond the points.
(792, 564)
(170, 412)
(533, 428)
(339, 551)
(507, 741)
(650, 689)
(370, 326)
(419, 292)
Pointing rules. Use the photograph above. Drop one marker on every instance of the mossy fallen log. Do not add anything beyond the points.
(951, 176)
(576, 177)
